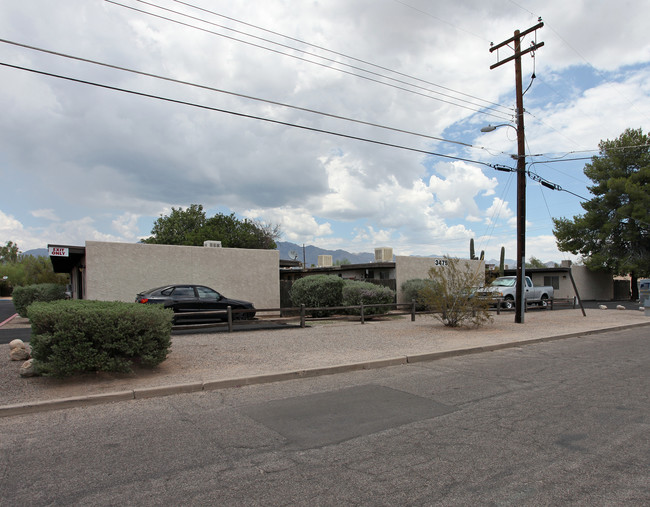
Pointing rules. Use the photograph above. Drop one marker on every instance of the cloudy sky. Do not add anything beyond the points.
(101, 154)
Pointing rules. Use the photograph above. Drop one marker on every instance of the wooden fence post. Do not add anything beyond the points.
(230, 319)
(302, 315)
(412, 310)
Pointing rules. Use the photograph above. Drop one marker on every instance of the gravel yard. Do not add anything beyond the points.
(214, 356)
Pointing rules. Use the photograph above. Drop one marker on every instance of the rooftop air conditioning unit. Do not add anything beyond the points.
(212, 244)
(383, 254)
(324, 261)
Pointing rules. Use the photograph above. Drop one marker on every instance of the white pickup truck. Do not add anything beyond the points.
(505, 287)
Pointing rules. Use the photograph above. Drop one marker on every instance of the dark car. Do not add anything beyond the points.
(189, 299)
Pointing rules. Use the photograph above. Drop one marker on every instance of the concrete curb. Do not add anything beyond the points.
(7, 321)
(212, 385)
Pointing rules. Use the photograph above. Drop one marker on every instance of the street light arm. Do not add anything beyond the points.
(492, 128)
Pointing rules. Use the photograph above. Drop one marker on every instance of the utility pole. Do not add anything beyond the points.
(520, 303)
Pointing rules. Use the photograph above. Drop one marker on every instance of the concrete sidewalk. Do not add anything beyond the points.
(209, 361)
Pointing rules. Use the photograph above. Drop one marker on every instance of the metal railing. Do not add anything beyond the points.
(301, 314)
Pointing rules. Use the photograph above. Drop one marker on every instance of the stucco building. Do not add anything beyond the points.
(118, 271)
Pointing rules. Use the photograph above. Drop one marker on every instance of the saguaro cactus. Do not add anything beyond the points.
(502, 261)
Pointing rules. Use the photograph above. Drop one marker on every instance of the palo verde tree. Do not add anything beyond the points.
(9, 252)
(17, 269)
(191, 227)
(449, 293)
(534, 262)
(614, 232)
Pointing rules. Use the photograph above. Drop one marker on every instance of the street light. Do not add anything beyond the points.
(492, 128)
(520, 293)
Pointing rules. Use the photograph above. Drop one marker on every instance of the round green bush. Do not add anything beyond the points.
(365, 293)
(317, 291)
(76, 336)
(22, 297)
(412, 290)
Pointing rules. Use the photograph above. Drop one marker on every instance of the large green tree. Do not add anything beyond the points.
(9, 252)
(614, 232)
(191, 227)
(18, 270)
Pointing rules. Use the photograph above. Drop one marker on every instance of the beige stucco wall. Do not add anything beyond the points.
(408, 268)
(593, 285)
(118, 271)
(566, 287)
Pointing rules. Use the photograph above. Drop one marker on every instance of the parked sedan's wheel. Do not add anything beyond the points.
(508, 303)
(242, 315)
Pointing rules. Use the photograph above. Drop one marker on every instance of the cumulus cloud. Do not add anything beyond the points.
(458, 187)
(499, 211)
(47, 214)
(96, 163)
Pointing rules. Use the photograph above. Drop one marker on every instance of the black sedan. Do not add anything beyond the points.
(190, 299)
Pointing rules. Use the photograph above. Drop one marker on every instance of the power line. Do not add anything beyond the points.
(243, 115)
(341, 54)
(482, 111)
(565, 154)
(602, 75)
(440, 19)
(536, 177)
(241, 95)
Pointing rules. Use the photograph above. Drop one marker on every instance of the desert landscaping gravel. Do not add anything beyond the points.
(203, 357)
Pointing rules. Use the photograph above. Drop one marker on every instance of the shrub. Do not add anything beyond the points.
(71, 337)
(24, 296)
(317, 291)
(366, 293)
(413, 291)
(451, 295)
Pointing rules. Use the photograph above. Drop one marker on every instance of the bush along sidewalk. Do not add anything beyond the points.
(72, 336)
(324, 292)
(22, 297)
(365, 293)
(318, 291)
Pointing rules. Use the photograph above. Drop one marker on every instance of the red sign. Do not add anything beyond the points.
(59, 251)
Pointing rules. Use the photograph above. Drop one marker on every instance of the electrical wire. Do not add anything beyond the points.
(565, 154)
(553, 186)
(439, 19)
(365, 62)
(241, 95)
(482, 111)
(243, 115)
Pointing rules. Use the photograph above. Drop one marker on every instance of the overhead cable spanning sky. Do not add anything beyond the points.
(350, 124)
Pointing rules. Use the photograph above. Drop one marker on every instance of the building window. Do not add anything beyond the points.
(553, 281)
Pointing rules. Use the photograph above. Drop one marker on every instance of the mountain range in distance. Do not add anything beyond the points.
(290, 250)
(311, 253)
(37, 252)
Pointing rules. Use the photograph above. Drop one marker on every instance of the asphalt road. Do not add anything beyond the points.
(6, 335)
(6, 309)
(563, 422)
